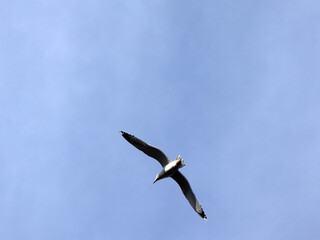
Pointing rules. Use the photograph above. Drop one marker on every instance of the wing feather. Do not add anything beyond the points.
(151, 151)
(188, 193)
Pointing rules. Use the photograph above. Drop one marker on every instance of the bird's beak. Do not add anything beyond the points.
(157, 178)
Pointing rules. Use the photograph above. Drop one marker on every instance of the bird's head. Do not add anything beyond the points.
(157, 178)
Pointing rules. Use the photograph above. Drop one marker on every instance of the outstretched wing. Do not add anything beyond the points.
(147, 149)
(188, 193)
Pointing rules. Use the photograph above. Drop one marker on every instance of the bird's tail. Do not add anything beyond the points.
(179, 158)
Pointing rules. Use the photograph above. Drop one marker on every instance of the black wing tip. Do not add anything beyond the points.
(127, 136)
(124, 134)
(203, 215)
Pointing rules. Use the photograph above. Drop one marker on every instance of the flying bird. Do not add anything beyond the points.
(170, 169)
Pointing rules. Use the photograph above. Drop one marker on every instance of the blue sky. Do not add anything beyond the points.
(231, 86)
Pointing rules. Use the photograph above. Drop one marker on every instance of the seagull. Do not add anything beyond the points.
(170, 169)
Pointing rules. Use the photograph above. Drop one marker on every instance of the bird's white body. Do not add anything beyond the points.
(170, 168)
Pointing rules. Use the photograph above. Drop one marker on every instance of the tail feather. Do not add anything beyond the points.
(179, 158)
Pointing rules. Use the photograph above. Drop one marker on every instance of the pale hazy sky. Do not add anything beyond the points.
(231, 86)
